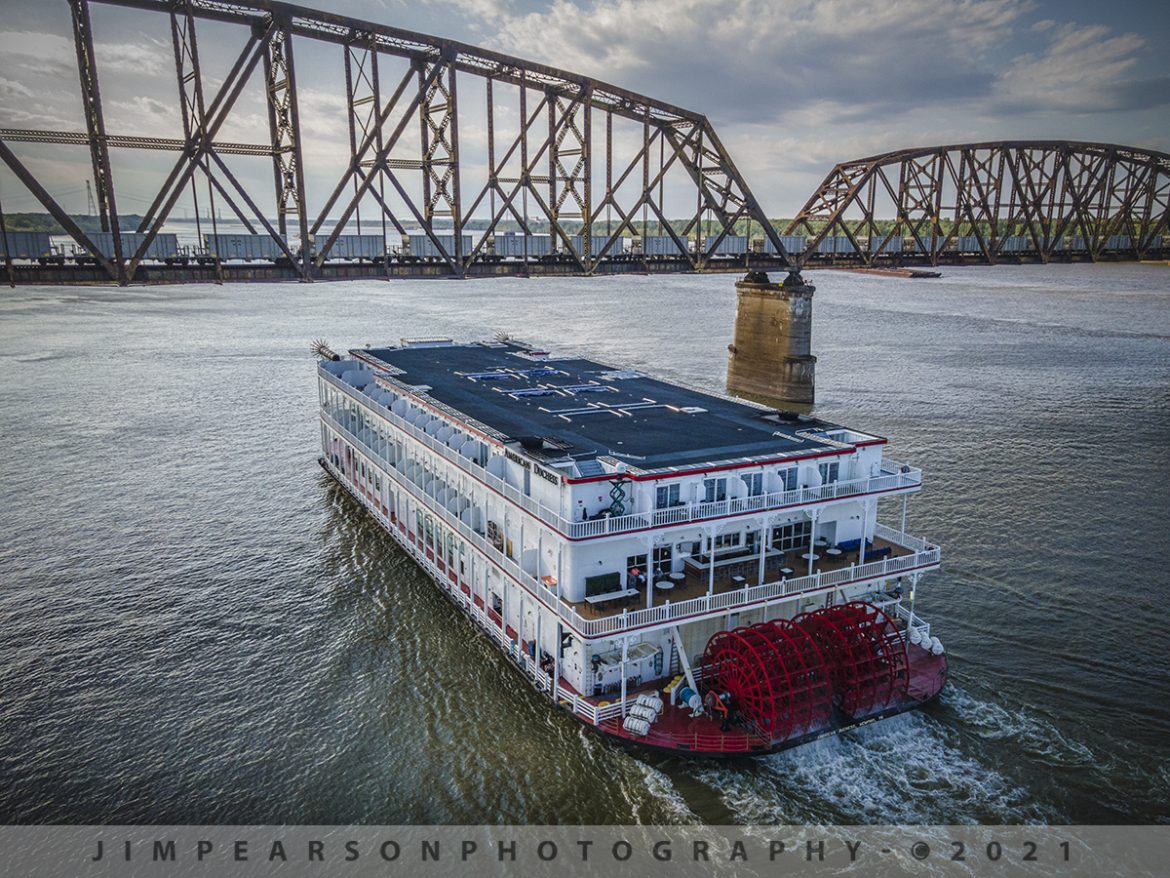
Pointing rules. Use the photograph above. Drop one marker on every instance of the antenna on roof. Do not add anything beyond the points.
(320, 348)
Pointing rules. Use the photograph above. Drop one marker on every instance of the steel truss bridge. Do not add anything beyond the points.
(594, 164)
(405, 113)
(990, 202)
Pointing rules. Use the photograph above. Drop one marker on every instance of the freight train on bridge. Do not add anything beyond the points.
(40, 257)
(596, 178)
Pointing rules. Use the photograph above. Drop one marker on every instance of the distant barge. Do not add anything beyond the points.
(677, 569)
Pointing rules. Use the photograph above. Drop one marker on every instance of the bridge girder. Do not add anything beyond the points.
(405, 145)
(1041, 191)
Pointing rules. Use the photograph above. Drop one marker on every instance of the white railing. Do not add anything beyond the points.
(924, 555)
(894, 476)
(913, 620)
(817, 582)
(918, 544)
(469, 466)
(453, 521)
(891, 479)
(595, 713)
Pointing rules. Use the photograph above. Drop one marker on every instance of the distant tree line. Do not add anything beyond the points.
(43, 222)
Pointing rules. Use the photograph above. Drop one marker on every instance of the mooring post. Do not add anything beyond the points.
(770, 357)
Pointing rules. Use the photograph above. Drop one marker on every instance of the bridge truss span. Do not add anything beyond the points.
(581, 160)
(990, 202)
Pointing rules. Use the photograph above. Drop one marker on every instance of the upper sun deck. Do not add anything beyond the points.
(558, 408)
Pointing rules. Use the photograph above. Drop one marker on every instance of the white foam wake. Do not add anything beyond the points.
(910, 769)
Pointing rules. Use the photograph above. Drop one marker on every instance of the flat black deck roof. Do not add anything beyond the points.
(582, 408)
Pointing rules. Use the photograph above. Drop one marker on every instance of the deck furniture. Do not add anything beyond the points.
(852, 545)
(606, 597)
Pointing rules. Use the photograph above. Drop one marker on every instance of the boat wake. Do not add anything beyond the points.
(1037, 738)
(909, 769)
(673, 808)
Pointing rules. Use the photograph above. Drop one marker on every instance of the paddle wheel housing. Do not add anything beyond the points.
(776, 675)
(865, 653)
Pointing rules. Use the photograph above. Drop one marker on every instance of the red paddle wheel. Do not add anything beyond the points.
(776, 676)
(865, 653)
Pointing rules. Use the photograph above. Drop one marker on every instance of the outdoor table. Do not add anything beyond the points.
(786, 571)
(664, 585)
(811, 556)
(834, 553)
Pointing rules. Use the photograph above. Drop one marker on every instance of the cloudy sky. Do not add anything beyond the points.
(792, 86)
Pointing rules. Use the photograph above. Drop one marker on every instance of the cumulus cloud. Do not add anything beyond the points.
(741, 60)
(53, 54)
(1083, 69)
(33, 116)
(144, 116)
(477, 12)
(148, 58)
(745, 59)
(11, 89)
(39, 53)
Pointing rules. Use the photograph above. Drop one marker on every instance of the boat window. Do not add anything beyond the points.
(714, 490)
(725, 541)
(755, 483)
(787, 479)
(666, 496)
(790, 536)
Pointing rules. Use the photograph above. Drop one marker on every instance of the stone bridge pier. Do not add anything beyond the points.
(771, 357)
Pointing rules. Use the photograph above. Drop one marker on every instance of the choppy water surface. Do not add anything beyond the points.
(197, 626)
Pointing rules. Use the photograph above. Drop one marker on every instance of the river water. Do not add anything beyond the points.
(196, 625)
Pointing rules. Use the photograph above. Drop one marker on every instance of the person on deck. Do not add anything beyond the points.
(717, 705)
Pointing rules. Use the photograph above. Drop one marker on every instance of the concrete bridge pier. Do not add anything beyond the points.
(770, 357)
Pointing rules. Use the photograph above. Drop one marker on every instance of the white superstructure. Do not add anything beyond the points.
(602, 526)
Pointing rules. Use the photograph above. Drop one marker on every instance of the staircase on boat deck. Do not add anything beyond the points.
(590, 468)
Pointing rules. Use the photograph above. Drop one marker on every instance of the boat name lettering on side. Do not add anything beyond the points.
(516, 458)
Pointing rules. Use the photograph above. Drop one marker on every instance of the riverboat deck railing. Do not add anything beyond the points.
(605, 714)
(894, 476)
(923, 555)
